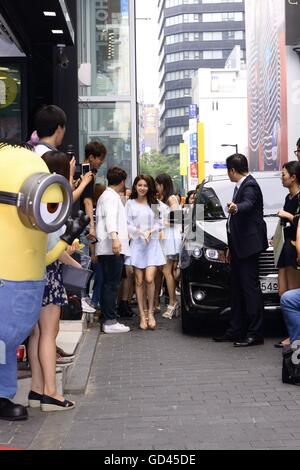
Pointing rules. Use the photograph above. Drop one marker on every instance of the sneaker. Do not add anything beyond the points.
(63, 353)
(115, 328)
(86, 308)
(63, 360)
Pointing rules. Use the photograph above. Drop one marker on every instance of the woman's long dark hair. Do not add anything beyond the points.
(167, 184)
(151, 194)
(58, 163)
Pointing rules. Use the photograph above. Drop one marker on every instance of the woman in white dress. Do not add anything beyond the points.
(144, 227)
(171, 240)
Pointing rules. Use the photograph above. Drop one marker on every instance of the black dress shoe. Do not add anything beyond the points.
(248, 342)
(225, 338)
(11, 412)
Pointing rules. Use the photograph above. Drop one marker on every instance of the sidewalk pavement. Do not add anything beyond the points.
(162, 390)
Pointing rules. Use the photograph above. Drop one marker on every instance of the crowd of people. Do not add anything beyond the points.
(134, 242)
(131, 239)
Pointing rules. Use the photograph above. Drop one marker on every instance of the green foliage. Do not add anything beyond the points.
(154, 163)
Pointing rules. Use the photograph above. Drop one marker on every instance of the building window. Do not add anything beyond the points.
(110, 123)
(210, 55)
(220, 17)
(10, 102)
(107, 44)
(181, 93)
(172, 150)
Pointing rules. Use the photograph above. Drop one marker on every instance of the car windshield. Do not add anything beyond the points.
(215, 195)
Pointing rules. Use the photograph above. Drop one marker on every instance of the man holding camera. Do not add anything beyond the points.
(95, 154)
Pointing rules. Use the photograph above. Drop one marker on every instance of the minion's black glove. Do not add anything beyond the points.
(75, 227)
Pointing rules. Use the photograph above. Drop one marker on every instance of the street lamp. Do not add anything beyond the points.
(232, 145)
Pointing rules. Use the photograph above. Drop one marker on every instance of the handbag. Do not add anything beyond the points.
(75, 278)
(290, 366)
(278, 242)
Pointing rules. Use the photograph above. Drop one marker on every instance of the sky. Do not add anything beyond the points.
(147, 51)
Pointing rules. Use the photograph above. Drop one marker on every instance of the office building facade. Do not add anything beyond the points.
(193, 34)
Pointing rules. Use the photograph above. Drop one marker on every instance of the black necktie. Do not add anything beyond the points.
(236, 190)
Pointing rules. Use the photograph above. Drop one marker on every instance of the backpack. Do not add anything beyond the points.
(73, 310)
(291, 366)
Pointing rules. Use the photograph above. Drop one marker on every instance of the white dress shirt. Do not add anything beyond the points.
(239, 184)
(111, 217)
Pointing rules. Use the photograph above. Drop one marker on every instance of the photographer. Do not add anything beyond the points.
(95, 154)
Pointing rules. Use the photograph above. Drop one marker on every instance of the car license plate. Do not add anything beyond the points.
(269, 285)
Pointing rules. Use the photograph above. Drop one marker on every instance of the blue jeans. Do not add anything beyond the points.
(112, 268)
(20, 306)
(96, 299)
(290, 305)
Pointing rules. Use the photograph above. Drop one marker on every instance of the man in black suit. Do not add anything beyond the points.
(247, 238)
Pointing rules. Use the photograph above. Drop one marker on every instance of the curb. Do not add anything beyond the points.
(78, 374)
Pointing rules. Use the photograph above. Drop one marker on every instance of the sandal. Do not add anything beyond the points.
(34, 399)
(49, 404)
(169, 313)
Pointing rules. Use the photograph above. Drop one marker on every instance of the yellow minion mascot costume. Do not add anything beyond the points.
(33, 203)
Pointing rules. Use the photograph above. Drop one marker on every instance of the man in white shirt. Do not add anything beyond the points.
(112, 246)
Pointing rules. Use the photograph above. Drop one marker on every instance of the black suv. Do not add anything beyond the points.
(205, 281)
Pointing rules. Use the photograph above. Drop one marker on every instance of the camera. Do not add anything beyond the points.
(70, 151)
(62, 58)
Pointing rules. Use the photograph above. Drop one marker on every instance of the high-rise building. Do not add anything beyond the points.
(193, 34)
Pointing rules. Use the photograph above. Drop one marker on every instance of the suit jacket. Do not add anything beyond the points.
(248, 230)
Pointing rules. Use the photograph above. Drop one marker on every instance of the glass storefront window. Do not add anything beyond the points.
(10, 103)
(107, 46)
(110, 123)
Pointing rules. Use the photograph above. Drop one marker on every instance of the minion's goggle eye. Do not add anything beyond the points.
(33, 212)
(52, 207)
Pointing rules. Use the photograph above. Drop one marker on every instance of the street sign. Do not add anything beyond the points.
(220, 166)
(194, 170)
(193, 155)
(193, 111)
(193, 141)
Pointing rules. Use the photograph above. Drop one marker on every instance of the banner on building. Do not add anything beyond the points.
(193, 111)
(201, 152)
(194, 170)
(184, 159)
